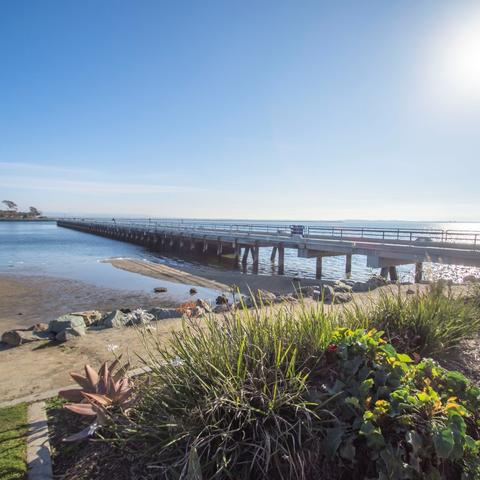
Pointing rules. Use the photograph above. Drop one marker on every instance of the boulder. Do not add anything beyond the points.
(325, 293)
(341, 287)
(115, 319)
(307, 291)
(39, 327)
(222, 308)
(204, 304)
(15, 338)
(470, 279)
(90, 317)
(264, 296)
(66, 321)
(342, 297)
(164, 313)
(410, 291)
(197, 311)
(139, 317)
(159, 289)
(70, 333)
(221, 300)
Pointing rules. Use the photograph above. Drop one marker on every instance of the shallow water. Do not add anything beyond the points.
(42, 248)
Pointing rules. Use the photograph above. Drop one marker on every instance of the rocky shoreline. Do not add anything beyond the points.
(77, 324)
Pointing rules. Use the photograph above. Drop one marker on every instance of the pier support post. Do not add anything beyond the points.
(255, 255)
(393, 273)
(246, 251)
(238, 252)
(384, 272)
(219, 249)
(418, 272)
(192, 245)
(273, 255)
(348, 265)
(318, 269)
(281, 260)
(205, 246)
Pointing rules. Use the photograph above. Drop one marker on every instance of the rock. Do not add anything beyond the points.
(193, 291)
(159, 289)
(342, 297)
(164, 313)
(90, 317)
(348, 281)
(221, 300)
(66, 321)
(139, 317)
(325, 293)
(197, 311)
(410, 291)
(470, 279)
(341, 287)
(15, 338)
(204, 304)
(287, 299)
(264, 296)
(371, 284)
(222, 308)
(115, 319)
(39, 327)
(307, 291)
(70, 333)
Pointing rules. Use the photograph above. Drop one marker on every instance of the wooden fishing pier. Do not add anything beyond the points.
(384, 248)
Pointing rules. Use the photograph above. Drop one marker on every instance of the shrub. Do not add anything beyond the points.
(284, 396)
(428, 324)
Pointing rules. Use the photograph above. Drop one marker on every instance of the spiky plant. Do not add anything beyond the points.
(100, 393)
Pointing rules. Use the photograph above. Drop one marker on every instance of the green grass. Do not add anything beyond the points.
(430, 324)
(13, 447)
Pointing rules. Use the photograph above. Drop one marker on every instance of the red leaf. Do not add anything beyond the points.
(81, 408)
(92, 375)
(72, 395)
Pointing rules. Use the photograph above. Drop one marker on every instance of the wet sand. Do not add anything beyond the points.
(25, 301)
(211, 277)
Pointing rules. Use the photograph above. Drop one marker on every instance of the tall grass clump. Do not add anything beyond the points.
(432, 323)
(284, 394)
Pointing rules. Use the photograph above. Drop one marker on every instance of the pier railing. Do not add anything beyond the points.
(463, 239)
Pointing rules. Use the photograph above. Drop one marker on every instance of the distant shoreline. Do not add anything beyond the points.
(27, 219)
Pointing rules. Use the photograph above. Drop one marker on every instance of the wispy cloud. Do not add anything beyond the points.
(95, 187)
(47, 169)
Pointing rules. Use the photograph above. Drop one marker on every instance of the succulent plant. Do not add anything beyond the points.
(101, 392)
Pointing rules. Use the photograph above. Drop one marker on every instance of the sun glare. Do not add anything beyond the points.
(453, 77)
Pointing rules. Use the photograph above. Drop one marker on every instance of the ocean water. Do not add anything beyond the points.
(42, 248)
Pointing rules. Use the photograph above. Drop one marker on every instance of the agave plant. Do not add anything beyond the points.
(100, 392)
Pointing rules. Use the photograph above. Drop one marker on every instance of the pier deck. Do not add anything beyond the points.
(384, 248)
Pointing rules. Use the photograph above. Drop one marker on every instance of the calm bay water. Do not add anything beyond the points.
(44, 249)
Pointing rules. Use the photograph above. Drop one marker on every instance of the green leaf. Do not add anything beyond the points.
(404, 358)
(444, 442)
(333, 440)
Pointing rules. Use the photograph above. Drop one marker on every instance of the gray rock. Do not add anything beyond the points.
(15, 338)
(325, 293)
(70, 333)
(159, 289)
(39, 327)
(139, 317)
(90, 317)
(164, 313)
(410, 291)
(264, 296)
(197, 311)
(342, 297)
(221, 300)
(222, 308)
(204, 304)
(307, 291)
(470, 279)
(66, 321)
(341, 287)
(115, 319)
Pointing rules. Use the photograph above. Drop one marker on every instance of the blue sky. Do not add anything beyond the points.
(242, 109)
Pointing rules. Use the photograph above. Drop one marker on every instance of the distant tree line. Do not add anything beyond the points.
(13, 212)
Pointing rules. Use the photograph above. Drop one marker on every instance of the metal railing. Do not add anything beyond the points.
(450, 238)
